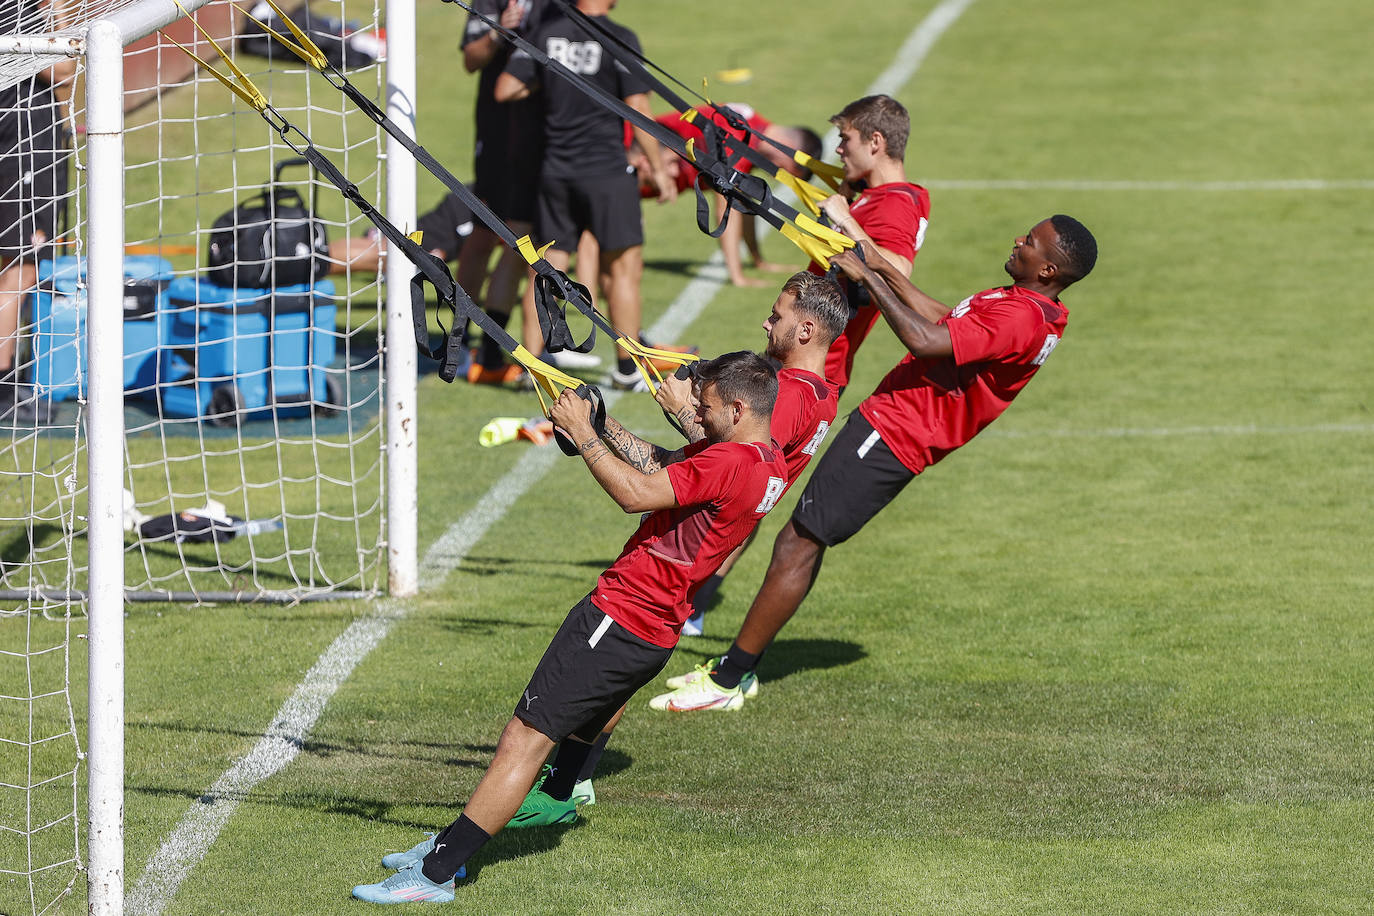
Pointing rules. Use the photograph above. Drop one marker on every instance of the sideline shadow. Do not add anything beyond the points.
(787, 657)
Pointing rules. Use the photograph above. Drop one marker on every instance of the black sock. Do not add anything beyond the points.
(491, 356)
(625, 366)
(593, 757)
(452, 848)
(734, 666)
(707, 593)
(567, 763)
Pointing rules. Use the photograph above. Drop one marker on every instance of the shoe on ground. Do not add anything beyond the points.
(399, 860)
(539, 809)
(692, 626)
(571, 361)
(702, 695)
(583, 793)
(481, 375)
(409, 885)
(749, 684)
(632, 381)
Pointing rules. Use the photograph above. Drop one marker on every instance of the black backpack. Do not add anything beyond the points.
(271, 239)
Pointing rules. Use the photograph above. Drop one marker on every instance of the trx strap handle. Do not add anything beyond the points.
(586, 393)
(554, 284)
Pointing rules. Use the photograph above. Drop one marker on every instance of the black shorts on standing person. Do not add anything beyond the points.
(584, 143)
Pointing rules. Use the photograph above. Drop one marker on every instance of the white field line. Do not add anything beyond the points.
(1166, 432)
(1280, 184)
(279, 745)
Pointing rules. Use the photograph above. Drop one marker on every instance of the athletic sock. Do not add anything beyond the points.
(625, 366)
(452, 848)
(734, 665)
(491, 356)
(593, 756)
(567, 763)
(707, 593)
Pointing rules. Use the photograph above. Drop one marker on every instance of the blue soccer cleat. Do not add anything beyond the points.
(409, 885)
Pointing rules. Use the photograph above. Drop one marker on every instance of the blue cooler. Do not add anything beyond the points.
(59, 317)
(236, 353)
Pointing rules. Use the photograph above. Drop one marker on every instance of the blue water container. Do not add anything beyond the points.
(59, 317)
(234, 354)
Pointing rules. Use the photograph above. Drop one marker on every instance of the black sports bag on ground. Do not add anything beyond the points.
(271, 239)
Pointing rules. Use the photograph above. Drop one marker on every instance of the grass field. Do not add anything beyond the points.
(1112, 657)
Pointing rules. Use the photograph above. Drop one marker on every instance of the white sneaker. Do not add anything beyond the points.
(567, 359)
(701, 695)
(749, 683)
(631, 382)
(692, 626)
(583, 793)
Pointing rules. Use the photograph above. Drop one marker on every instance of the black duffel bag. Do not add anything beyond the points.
(271, 239)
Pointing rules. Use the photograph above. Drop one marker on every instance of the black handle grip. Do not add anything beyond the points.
(587, 393)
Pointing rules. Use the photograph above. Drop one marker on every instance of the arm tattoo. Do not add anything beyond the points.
(644, 457)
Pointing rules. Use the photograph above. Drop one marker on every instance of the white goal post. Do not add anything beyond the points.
(384, 526)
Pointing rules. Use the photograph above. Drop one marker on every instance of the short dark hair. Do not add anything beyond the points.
(1078, 245)
(822, 299)
(878, 114)
(808, 142)
(741, 376)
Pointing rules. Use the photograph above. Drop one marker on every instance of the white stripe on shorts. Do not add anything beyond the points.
(868, 443)
(600, 631)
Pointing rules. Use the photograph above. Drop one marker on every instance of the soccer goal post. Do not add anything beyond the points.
(208, 441)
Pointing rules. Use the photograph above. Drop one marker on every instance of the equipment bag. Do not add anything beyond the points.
(271, 239)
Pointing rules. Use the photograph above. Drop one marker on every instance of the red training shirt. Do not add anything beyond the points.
(802, 415)
(722, 491)
(895, 216)
(689, 130)
(926, 408)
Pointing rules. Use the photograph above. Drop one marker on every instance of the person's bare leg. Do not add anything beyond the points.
(796, 561)
(519, 755)
(16, 276)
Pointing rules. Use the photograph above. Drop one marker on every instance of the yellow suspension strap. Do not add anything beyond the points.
(552, 286)
(549, 380)
(635, 60)
(747, 193)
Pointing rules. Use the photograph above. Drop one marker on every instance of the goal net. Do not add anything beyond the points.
(253, 438)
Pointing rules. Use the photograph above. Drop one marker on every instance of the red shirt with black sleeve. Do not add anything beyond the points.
(895, 216)
(926, 408)
(802, 416)
(722, 491)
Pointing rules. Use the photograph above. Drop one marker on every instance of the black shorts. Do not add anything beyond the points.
(590, 669)
(856, 477)
(34, 173)
(446, 227)
(608, 205)
(506, 161)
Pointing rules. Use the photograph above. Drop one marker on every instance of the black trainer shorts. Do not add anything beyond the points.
(590, 669)
(446, 227)
(34, 182)
(856, 477)
(608, 205)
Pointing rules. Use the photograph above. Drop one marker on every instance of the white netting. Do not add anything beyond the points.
(261, 411)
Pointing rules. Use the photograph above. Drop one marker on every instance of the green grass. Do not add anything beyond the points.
(1113, 656)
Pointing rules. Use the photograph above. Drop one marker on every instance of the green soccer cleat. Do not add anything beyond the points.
(749, 683)
(701, 695)
(540, 809)
(583, 793)
(409, 885)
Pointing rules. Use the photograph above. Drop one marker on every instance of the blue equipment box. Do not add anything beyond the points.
(235, 353)
(59, 317)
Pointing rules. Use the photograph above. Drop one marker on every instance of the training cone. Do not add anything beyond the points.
(500, 431)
